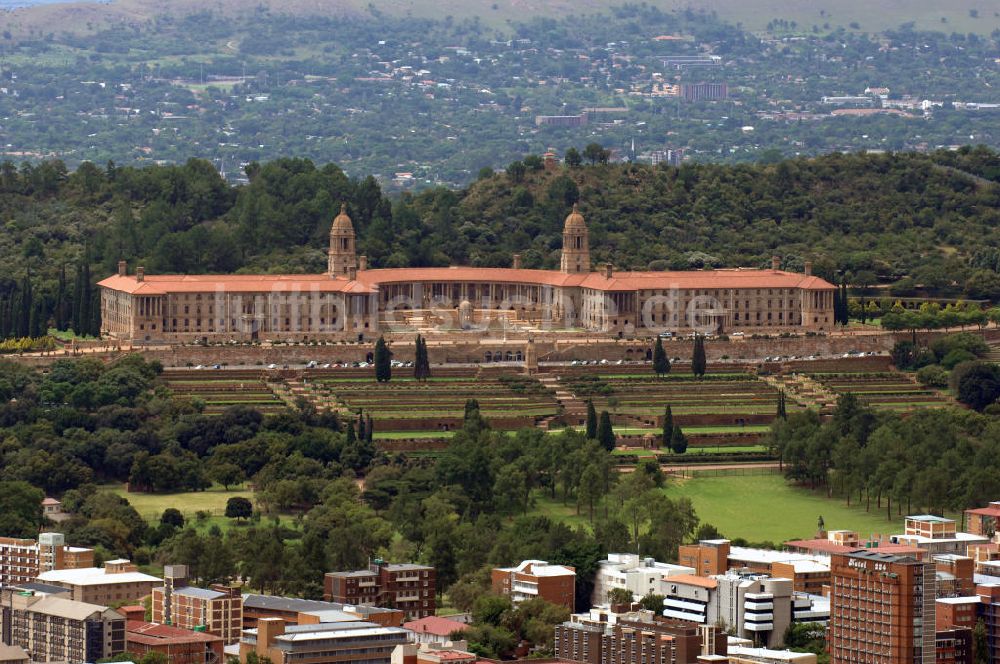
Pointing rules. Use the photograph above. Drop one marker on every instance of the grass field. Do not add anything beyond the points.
(150, 506)
(755, 507)
(767, 507)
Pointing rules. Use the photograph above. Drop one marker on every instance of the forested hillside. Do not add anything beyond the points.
(903, 219)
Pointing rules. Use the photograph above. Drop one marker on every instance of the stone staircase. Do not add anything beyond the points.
(319, 396)
(572, 408)
(804, 391)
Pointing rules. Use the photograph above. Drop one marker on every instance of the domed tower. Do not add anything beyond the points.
(341, 257)
(576, 244)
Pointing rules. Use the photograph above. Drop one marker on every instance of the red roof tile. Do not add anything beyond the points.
(435, 625)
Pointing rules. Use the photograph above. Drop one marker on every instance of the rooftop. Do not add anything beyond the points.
(60, 607)
(692, 580)
(201, 593)
(435, 625)
(296, 605)
(540, 568)
(94, 576)
(155, 633)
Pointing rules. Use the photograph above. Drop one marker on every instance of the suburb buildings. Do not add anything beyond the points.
(351, 299)
(405, 586)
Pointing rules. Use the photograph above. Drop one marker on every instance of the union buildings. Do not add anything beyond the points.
(352, 301)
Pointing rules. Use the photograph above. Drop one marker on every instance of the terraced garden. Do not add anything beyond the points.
(220, 389)
(509, 401)
(889, 390)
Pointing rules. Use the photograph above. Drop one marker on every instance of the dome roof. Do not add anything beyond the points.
(575, 221)
(342, 223)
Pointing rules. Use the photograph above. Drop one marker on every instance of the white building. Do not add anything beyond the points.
(628, 571)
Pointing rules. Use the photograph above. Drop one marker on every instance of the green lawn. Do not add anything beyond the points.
(756, 507)
(767, 507)
(151, 505)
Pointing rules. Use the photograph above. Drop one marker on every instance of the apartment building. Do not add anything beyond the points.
(536, 578)
(809, 572)
(179, 646)
(936, 535)
(882, 609)
(627, 571)
(13, 655)
(118, 581)
(22, 560)
(323, 643)
(405, 586)
(635, 638)
(750, 606)
(54, 629)
(217, 610)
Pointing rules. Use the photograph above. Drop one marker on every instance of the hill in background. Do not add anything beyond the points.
(963, 16)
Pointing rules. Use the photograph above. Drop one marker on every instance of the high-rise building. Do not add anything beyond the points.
(407, 587)
(882, 609)
(217, 610)
(54, 629)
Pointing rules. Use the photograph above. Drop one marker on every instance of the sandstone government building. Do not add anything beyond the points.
(351, 301)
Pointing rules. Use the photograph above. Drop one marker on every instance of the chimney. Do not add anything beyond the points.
(608, 269)
(775, 263)
(352, 273)
(362, 263)
(517, 261)
(122, 268)
(808, 267)
(140, 273)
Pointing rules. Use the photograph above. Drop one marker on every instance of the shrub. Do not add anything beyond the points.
(933, 375)
(976, 384)
(956, 356)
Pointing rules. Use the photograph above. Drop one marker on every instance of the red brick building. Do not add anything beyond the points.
(882, 609)
(218, 610)
(180, 646)
(404, 586)
(537, 578)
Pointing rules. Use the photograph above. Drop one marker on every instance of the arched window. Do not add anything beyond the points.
(489, 356)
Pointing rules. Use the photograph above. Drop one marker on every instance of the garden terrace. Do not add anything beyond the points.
(509, 401)
(891, 390)
(728, 402)
(220, 389)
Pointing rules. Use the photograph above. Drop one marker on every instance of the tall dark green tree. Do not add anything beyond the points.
(605, 432)
(698, 362)
(591, 429)
(668, 428)
(421, 363)
(782, 413)
(59, 313)
(383, 361)
(678, 441)
(661, 363)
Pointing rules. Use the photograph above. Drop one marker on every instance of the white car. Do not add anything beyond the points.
(272, 366)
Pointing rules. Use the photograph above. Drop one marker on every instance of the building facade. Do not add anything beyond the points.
(54, 629)
(217, 610)
(22, 560)
(117, 582)
(403, 586)
(882, 609)
(555, 584)
(351, 300)
(628, 571)
(324, 643)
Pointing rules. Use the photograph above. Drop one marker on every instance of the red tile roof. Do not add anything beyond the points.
(985, 511)
(692, 580)
(435, 625)
(155, 633)
(368, 280)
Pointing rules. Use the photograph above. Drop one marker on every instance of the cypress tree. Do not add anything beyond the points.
(425, 358)
(383, 366)
(845, 309)
(362, 433)
(661, 364)
(85, 300)
(24, 312)
(605, 432)
(668, 428)
(78, 300)
(781, 405)
(59, 314)
(591, 421)
(369, 429)
(678, 441)
(698, 363)
(350, 438)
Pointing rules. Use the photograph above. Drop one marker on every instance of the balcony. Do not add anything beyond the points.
(758, 605)
(758, 627)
